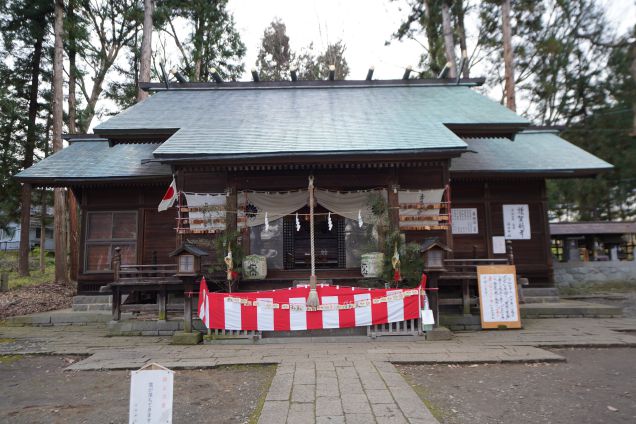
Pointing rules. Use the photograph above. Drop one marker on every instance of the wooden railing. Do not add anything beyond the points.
(409, 327)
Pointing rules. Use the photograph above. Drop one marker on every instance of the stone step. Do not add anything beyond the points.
(328, 332)
(62, 317)
(540, 291)
(541, 299)
(87, 300)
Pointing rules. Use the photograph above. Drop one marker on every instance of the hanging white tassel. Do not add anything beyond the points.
(297, 222)
(360, 218)
(329, 222)
(266, 222)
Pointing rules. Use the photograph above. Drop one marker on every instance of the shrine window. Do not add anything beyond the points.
(104, 232)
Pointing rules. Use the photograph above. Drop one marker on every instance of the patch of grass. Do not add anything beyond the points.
(6, 340)
(271, 371)
(593, 288)
(9, 263)
(438, 413)
(7, 359)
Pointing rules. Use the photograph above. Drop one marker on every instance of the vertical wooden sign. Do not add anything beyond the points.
(151, 395)
(498, 297)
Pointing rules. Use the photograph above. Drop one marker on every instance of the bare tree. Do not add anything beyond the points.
(61, 274)
(146, 49)
(459, 12)
(114, 25)
(449, 41)
(509, 72)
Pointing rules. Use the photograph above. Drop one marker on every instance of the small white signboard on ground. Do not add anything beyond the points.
(464, 221)
(516, 222)
(151, 395)
(498, 300)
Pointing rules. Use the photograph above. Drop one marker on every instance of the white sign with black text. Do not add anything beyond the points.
(516, 222)
(151, 395)
(464, 221)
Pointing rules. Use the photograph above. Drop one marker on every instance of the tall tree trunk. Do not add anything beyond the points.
(59, 218)
(73, 217)
(632, 68)
(44, 203)
(146, 48)
(449, 42)
(458, 7)
(25, 195)
(72, 70)
(509, 72)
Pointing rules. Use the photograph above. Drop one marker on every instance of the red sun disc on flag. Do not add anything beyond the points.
(169, 194)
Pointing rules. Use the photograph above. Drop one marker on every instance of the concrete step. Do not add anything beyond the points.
(569, 309)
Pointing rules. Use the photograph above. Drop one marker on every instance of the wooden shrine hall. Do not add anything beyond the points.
(451, 165)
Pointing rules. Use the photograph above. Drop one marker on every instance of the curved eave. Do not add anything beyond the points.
(81, 181)
(297, 157)
(532, 173)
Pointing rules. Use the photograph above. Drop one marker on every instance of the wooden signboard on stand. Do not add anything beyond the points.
(498, 297)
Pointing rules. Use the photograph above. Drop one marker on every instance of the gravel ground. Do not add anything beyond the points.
(593, 386)
(36, 390)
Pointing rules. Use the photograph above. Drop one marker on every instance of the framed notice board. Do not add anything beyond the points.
(498, 297)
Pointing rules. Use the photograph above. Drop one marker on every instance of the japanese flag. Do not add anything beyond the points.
(169, 197)
(203, 303)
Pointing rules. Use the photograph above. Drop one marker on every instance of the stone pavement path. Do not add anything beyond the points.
(358, 391)
(326, 382)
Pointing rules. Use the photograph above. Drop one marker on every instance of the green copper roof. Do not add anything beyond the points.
(531, 152)
(94, 159)
(319, 119)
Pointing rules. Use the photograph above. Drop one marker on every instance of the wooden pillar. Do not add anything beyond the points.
(466, 297)
(546, 233)
(162, 304)
(393, 202)
(447, 184)
(73, 231)
(187, 308)
(488, 221)
(434, 295)
(231, 207)
(116, 304)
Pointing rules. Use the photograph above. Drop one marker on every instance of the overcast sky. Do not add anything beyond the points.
(364, 25)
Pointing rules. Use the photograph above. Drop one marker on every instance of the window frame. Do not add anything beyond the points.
(111, 242)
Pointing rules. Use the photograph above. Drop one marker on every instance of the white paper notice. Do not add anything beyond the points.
(151, 396)
(498, 297)
(516, 222)
(498, 245)
(464, 221)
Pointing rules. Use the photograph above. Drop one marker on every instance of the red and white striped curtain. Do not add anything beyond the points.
(285, 309)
